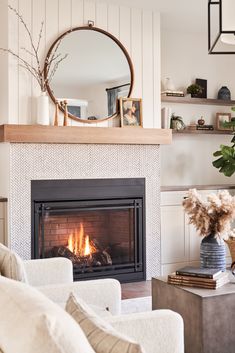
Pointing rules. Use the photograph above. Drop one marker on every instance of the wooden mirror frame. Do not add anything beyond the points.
(121, 46)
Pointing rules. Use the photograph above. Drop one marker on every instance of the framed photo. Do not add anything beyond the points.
(203, 83)
(131, 112)
(220, 119)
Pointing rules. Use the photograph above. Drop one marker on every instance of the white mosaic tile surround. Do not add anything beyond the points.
(66, 161)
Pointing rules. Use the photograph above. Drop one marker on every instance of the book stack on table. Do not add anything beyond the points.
(209, 278)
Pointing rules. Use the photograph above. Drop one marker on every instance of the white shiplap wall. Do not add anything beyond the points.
(137, 29)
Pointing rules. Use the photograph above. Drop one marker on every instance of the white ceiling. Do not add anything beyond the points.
(180, 15)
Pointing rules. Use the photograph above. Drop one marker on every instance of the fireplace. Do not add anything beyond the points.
(99, 224)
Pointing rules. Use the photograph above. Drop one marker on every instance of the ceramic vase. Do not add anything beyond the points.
(213, 253)
(43, 109)
(169, 85)
(224, 93)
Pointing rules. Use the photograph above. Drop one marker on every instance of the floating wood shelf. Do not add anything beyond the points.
(201, 132)
(203, 101)
(198, 187)
(84, 135)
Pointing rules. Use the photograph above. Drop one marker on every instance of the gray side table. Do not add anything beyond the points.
(209, 315)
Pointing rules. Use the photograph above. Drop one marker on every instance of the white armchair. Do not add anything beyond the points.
(54, 278)
(159, 331)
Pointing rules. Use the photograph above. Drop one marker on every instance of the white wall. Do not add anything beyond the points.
(184, 57)
(138, 30)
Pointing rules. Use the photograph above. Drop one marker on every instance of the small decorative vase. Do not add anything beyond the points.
(201, 121)
(213, 253)
(169, 85)
(224, 94)
(177, 123)
(43, 117)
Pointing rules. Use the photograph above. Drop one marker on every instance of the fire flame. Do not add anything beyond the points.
(80, 244)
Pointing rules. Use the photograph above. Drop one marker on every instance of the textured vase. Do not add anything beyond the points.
(43, 109)
(224, 93)
(213, 253)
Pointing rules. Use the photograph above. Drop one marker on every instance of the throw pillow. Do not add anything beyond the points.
(31, 323)
(102, 337)
(11, 265)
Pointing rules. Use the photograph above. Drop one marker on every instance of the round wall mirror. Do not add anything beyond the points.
(95, 74)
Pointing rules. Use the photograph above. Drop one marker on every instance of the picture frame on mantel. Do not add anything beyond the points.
(222, 118)
(131, 112)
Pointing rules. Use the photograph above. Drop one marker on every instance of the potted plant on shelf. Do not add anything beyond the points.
(194, 90)
(212, 218)
(226, 161)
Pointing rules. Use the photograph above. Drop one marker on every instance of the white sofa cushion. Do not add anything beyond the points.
(11, 265)
(30, 322)
(102, 337)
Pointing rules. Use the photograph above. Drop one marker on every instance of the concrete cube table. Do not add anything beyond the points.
(209, 315)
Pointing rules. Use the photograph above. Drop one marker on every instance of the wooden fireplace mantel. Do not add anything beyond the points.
(84, 135)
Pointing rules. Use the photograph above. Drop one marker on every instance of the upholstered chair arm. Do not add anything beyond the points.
(159, 331)
(105, 293)
(49, 271)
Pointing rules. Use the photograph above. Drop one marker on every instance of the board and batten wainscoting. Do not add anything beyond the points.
(137, 29)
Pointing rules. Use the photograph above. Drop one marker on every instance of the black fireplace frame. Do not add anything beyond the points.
(85, 194)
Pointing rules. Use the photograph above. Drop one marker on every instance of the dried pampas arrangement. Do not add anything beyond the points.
(212, 215)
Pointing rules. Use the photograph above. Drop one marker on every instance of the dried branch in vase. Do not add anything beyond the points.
(37, 70)
(212, 215)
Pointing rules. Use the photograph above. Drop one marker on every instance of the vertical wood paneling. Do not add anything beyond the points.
(4, 63)
(25, 78)
(38, 16)
(52, 32)
(77, 13)
(156, 71)
(65, 23)
(102, 22)
(65, 15)
(147, 26)
(113, 20)
(137, 29)
(77, 20)
(102, 16)
(89, 15)
(125, 27)
(89, 12)
(52, 21)
(136, 50)
(113, 27)
(13, 88)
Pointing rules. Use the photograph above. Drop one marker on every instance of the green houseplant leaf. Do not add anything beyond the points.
(226, 162)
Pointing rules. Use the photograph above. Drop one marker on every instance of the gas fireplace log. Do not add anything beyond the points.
(63, 251)
(103, 258)
(99, 258)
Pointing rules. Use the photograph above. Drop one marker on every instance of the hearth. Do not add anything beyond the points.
(99, 224)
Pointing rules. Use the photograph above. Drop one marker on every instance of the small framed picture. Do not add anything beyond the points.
(221, 118)
(131, 112)
(203, 83)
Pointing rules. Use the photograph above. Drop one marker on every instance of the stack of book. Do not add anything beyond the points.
(205, 127)
(199, 277)
(169, 93)
(200, 127)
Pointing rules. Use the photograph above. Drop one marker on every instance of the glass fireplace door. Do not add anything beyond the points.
(102, 237)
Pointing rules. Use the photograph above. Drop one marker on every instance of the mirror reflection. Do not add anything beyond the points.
(95, 74)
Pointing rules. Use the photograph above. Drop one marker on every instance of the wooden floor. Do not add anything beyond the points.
(136, 289)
